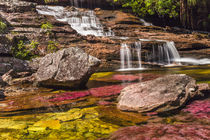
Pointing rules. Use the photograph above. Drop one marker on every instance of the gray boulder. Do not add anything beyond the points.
(161, 95)
(70, 67)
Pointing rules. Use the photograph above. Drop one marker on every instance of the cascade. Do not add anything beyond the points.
(164, 53)
(84, 22)
(127, 53)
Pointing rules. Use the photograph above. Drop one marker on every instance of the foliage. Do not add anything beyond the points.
(192, 2)
(166, 8)
(3, 26)
(47, 27)
(52, 46)
(49, 1)
(24, 51)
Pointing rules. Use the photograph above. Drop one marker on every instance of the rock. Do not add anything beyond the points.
(162, 94)
(69, 67)
(162, 132)
(14, 78)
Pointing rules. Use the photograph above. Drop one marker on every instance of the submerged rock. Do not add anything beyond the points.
(162, 132)
(160, 95)
(69, 67)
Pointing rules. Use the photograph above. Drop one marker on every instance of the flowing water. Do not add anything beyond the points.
(84, 22)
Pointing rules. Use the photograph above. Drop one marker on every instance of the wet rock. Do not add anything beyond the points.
(69, 67)
(199, 109)
(162, 132)
(14, 78)
(160, 95)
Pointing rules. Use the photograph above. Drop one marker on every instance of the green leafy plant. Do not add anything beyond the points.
(47, 27)
(23, 51)
(49, 1)
(52, 46)
(3, 27)
(167, 8)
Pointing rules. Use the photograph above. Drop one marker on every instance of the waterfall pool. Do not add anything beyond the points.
(91, 113)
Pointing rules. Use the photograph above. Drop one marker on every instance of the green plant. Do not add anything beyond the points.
(23, 51)
(49, 1)
(167, 8)
(47, 27)
(52, 46)
(3, 26)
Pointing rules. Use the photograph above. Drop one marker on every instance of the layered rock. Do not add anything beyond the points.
(69, 67)
(160, 95)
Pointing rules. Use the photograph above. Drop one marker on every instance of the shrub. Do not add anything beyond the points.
(3, 27)
(23, 51)
(47, 27)
(163, 8)
(52, 46)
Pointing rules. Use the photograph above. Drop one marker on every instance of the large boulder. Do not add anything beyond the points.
(161, 95)
(70, 67)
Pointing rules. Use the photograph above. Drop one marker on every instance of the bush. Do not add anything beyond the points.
(52, 46)
(163, 8)
(47, 27)
(49, 1)
(3, 27)
(23, 51)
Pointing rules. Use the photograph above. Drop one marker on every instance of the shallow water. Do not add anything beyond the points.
(91, 113)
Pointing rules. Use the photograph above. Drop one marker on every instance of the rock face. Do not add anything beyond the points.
(160, 95)
(69, 67)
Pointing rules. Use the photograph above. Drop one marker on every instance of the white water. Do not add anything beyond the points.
(194, 61)
(84, 22)
(126, 55)
(165, 53)
(145, 23)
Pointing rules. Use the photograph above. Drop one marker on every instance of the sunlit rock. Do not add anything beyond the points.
(161, 95)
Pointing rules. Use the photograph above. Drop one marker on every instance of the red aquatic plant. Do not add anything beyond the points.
(200, 109)
(106, 90)
(125, 77)
(70, 96)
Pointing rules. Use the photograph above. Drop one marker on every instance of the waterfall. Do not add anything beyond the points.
(127, 54)
(164, 53)
(84, 22)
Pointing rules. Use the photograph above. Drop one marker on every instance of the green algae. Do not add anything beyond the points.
(113, 115)
(100, 75)
(74, 124)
